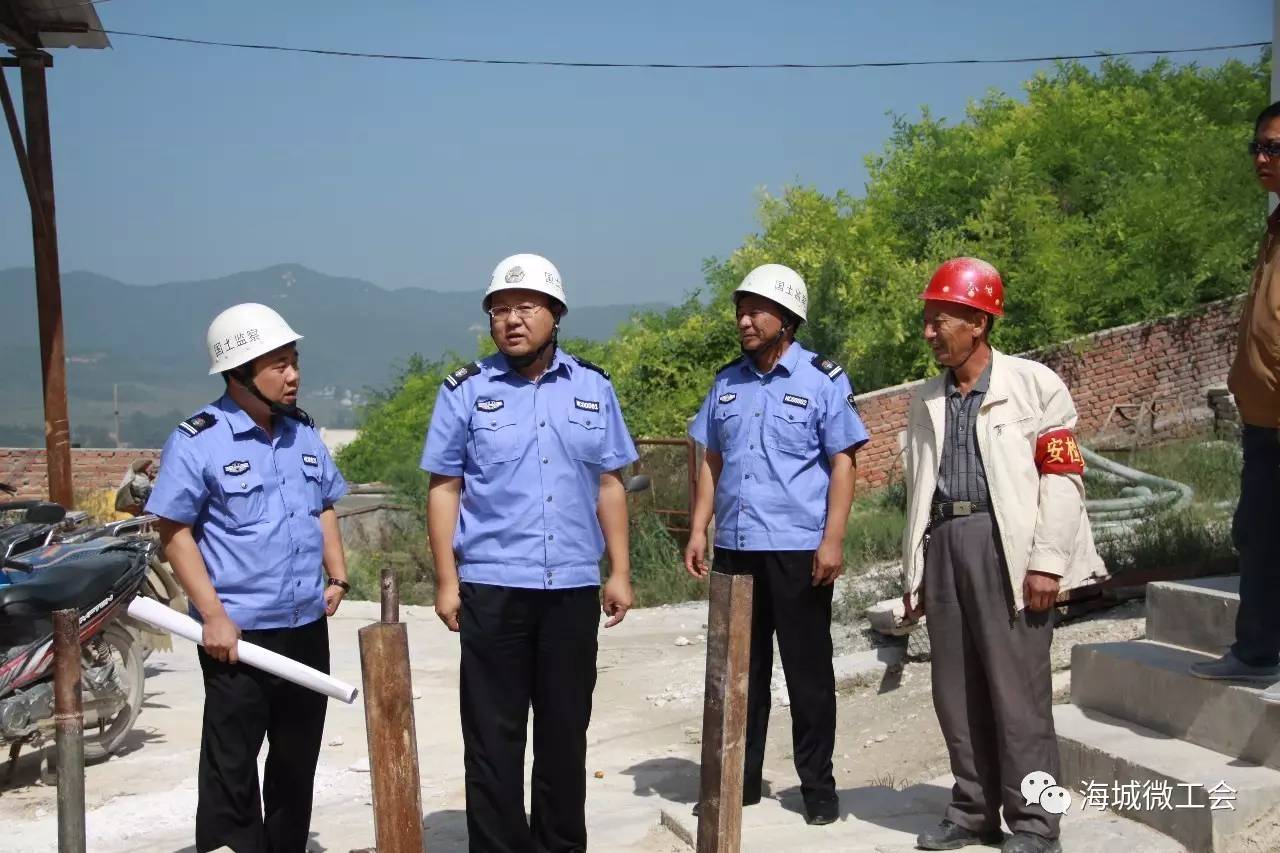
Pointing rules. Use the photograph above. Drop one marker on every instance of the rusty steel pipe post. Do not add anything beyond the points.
(724, 714)
(390, 728)
(390, 597)
(53, 356)
(68, 716)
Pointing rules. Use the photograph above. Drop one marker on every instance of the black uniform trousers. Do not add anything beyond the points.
(242, 705)
(785, 601)
(1257, 629)
(992, 680)
(522, 648)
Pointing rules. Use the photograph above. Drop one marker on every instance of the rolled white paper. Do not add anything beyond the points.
(154, 613)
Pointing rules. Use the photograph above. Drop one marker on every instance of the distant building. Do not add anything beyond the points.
(336, 439)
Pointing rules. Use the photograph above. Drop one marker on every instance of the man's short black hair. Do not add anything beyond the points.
(1266, 115)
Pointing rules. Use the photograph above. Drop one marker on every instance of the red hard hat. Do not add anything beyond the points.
(968, 281)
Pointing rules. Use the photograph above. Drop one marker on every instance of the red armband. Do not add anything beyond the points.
(1058, 453)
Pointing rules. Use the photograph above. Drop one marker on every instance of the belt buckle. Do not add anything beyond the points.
(959, 508)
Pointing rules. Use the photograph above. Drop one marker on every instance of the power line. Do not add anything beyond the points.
(558, 63)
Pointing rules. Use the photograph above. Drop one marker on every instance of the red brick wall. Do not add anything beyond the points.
(24, 468)
(1174, 358)
(1178, 356)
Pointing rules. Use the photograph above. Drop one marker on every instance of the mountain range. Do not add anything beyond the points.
(148, 341)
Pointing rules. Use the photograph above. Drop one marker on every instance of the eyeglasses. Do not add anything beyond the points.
(523, 312)
(1271, 150)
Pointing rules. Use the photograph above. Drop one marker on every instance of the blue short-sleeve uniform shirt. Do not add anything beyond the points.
(253, 502)
(530, 455)
(777, 433)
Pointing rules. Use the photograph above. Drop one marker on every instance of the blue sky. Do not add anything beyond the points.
(178, 162)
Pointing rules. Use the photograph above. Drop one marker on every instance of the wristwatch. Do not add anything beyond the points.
(346, 587)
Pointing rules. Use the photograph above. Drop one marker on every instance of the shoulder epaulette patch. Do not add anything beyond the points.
(589, 366)
(725, 367)
(198, 423)
(462, 374)
(827, 366)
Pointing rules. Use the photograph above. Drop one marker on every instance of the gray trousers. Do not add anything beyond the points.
(992, 688)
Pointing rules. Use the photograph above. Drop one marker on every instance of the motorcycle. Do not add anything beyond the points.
(160, 584)
(99, 578)
(41, 524)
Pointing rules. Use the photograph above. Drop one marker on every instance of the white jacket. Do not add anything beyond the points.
(1041, 521)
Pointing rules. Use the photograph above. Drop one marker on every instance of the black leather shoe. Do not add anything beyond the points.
(822, 812)
(1029, 842)
(748, 799)
(950, 836)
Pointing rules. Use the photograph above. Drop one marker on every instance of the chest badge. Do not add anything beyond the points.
(796, 400)
(727, 397)
(309, 459)
(236, 468)
(489, 405)
(586, 405)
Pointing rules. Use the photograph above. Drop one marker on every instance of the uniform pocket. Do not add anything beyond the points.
(727, 424)
(791, 432)
(494, 438)
(586, 436)
(315, 489)
(246, 501)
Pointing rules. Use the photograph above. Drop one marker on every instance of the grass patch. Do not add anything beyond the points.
(657, 564)
(1211, 468)
(1190, 537)
(876, 521)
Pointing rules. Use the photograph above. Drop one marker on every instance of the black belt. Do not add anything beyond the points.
(957, 509)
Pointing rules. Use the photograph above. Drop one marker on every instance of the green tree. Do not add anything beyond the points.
(1103, 197)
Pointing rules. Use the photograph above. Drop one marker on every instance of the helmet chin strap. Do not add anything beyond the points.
(289, 410)
(759, 353)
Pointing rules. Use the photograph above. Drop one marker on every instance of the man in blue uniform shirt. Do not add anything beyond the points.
(524, 451)
(245, 497)
(780, 430)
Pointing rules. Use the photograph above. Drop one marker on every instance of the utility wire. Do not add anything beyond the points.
(556, 63)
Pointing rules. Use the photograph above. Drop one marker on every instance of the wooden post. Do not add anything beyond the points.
(724, 714)
(392, 733)
(57, 429)
(68, 720)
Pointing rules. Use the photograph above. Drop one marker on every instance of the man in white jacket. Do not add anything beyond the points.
(996, 528)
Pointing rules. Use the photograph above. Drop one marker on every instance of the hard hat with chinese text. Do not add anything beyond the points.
(779, 284)
(243, 332)
(968, 281)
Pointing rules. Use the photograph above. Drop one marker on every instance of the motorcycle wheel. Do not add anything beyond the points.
(105, 737)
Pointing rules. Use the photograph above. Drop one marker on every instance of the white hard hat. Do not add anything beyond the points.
(780, 284)
(243, 332)
(527, 272)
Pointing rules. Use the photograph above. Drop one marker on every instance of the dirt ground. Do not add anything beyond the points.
(643, 755)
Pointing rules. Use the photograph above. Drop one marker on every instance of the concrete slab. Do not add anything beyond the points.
(1198, 614)
(1100, 750)
(885, 820)
(1148, 683)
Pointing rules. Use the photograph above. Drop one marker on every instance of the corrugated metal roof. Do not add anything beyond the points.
(39, 14)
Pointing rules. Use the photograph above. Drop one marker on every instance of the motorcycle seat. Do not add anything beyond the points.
(63, 576)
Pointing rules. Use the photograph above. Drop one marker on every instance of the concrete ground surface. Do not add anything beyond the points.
(642, 761)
